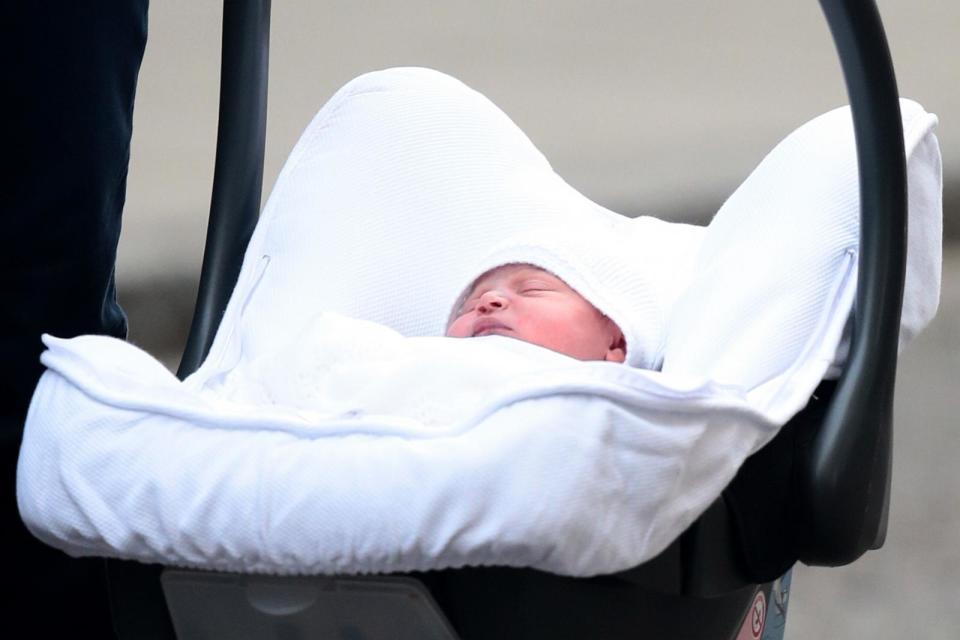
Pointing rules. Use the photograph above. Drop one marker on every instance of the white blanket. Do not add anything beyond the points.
(343, 368)
(590, 468)
(309, 443)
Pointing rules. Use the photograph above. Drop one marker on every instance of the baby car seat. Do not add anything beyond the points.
(817, 493)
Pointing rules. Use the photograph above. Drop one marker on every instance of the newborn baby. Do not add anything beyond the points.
(526, 322)
(528, 303)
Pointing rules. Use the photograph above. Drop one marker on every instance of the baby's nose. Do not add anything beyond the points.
(491, 301)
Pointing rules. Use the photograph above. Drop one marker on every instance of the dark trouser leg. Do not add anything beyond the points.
(70, 75)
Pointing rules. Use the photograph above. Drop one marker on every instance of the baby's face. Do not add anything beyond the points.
(527, 303)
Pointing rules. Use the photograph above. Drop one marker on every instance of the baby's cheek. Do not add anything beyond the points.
(457, 328)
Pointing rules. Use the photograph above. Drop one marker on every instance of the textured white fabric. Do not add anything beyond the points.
(396, 191)
(581, 469)
(403, 189)
(344, 368)
(769, 263)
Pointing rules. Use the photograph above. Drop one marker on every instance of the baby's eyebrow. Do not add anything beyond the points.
(537, 274)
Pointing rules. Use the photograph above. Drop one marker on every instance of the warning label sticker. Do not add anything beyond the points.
(755, 619)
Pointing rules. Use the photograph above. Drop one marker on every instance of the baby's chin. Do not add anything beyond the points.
(495, 331)
(520, 346)
(522, 343)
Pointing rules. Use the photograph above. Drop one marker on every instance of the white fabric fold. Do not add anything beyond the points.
(590, 469)
(774, 248)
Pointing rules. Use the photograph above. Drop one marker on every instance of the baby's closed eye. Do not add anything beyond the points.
(537, 286)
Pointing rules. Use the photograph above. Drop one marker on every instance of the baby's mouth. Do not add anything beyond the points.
(489, 327)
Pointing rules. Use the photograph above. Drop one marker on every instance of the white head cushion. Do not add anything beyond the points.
(769, 265)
